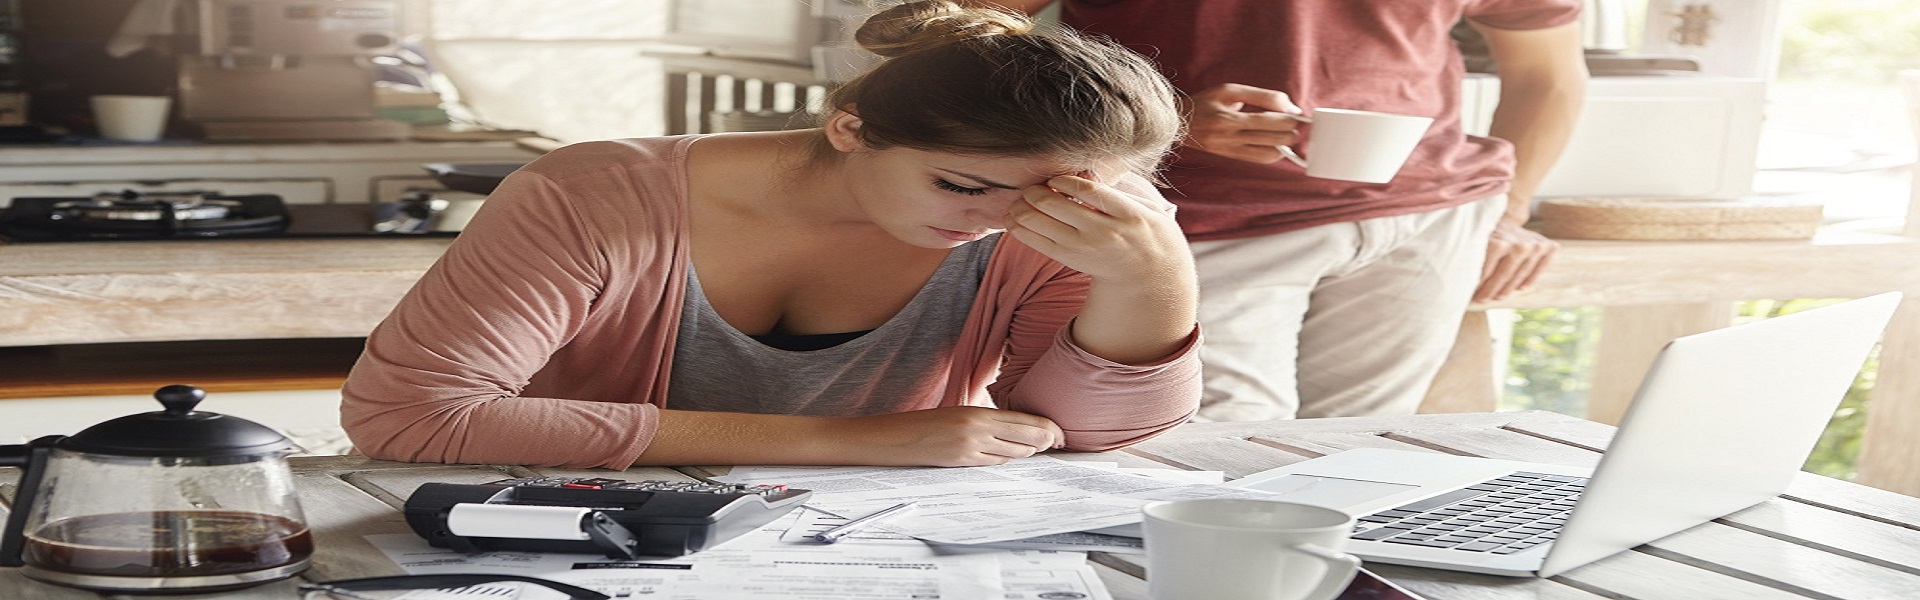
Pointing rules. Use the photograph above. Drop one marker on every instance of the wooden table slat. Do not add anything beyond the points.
(350, 463)
(1791, 566)
(1310, 428)
(1453, 585)
(1121, 585)
(1554, 426)
(1333, 443)
(1863, 501)
(1234, 456)
(341, 515)
(1889, 545)
(1500, 443)
(394, 486)
(1637, 575)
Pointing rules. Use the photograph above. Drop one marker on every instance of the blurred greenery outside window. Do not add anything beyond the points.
(1552, 364)
(1834, 54)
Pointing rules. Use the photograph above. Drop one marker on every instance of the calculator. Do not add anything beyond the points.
(618, 518)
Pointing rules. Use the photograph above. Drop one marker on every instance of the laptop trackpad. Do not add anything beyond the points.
(1331, 492)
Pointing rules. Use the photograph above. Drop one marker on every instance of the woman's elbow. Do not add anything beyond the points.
(1103, 441)
(382, 432)
(380, 443)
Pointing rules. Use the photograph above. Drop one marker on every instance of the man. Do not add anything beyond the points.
(1325, 298)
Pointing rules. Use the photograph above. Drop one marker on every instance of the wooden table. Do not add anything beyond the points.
(1823, 539)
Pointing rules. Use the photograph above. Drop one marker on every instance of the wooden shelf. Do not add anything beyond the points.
(140, 368)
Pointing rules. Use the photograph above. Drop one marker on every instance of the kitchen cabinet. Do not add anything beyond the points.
(305, 173)
(1671, 136)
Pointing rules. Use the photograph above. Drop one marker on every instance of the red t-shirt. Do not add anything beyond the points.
(1392, 56)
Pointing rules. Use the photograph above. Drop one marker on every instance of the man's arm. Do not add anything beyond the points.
(1543, 75)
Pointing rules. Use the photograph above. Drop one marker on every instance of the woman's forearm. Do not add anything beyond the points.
(1139, 323)
(688, 437)
(949, 436)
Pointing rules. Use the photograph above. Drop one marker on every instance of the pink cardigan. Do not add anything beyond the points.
(545, 335)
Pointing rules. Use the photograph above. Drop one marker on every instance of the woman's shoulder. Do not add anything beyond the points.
(604, 157)
(612, 188)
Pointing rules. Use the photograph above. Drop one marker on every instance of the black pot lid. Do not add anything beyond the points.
(178, 431)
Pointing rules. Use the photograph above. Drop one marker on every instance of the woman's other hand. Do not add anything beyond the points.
(1141, 303)
(1105, 231)
(949, 436)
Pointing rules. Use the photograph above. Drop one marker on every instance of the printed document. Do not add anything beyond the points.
(759, 564)
(1022, 499)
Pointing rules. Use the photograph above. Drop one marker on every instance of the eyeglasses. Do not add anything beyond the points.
(346, 589)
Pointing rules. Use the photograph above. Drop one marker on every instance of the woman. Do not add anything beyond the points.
(838, 295)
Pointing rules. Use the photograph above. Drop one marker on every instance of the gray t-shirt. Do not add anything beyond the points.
(718, 368)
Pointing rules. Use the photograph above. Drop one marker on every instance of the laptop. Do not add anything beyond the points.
(1723, 421)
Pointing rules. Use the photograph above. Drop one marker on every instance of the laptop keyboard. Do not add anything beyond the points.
(1498, 516)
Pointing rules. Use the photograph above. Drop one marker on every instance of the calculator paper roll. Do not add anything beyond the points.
(517, 521)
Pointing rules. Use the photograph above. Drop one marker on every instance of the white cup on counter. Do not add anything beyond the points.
(457, 213)
(1238, 549)
(131, 118)
(1357, 145)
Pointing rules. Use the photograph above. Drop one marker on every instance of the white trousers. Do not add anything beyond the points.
(1346, 319)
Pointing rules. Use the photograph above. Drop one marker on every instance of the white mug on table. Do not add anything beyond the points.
(1357, 145)
(1234, 549)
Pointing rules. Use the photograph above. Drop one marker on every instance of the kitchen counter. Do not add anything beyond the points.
(97, 292)
(89, 292)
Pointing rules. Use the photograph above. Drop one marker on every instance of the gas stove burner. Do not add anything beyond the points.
(137, 216)
(135, 206)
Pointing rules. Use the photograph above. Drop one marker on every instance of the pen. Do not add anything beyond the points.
(833, 535)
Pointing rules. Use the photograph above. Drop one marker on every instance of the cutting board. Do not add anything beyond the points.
(1676, 219)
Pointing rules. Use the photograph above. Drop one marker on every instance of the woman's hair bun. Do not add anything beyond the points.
(926, 24)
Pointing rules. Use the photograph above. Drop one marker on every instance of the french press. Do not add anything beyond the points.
(175, 500)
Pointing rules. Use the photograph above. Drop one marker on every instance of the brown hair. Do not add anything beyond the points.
(975, 80)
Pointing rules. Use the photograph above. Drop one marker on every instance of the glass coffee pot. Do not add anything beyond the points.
(175, 500)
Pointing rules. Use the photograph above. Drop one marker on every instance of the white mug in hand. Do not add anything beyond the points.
(1358, 145)
(1234, 549)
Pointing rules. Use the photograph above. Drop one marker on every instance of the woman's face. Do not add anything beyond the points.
(935, 200)
(941, 200)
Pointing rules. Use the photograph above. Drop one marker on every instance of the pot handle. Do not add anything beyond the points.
(31, 458)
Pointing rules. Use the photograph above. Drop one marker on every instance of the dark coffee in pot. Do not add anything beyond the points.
(171, 543)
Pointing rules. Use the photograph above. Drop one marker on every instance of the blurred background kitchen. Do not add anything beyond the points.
(371, 119)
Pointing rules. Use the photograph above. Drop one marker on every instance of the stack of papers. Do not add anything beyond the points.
(1021, 499)
(761, 565)
(1005, 532)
